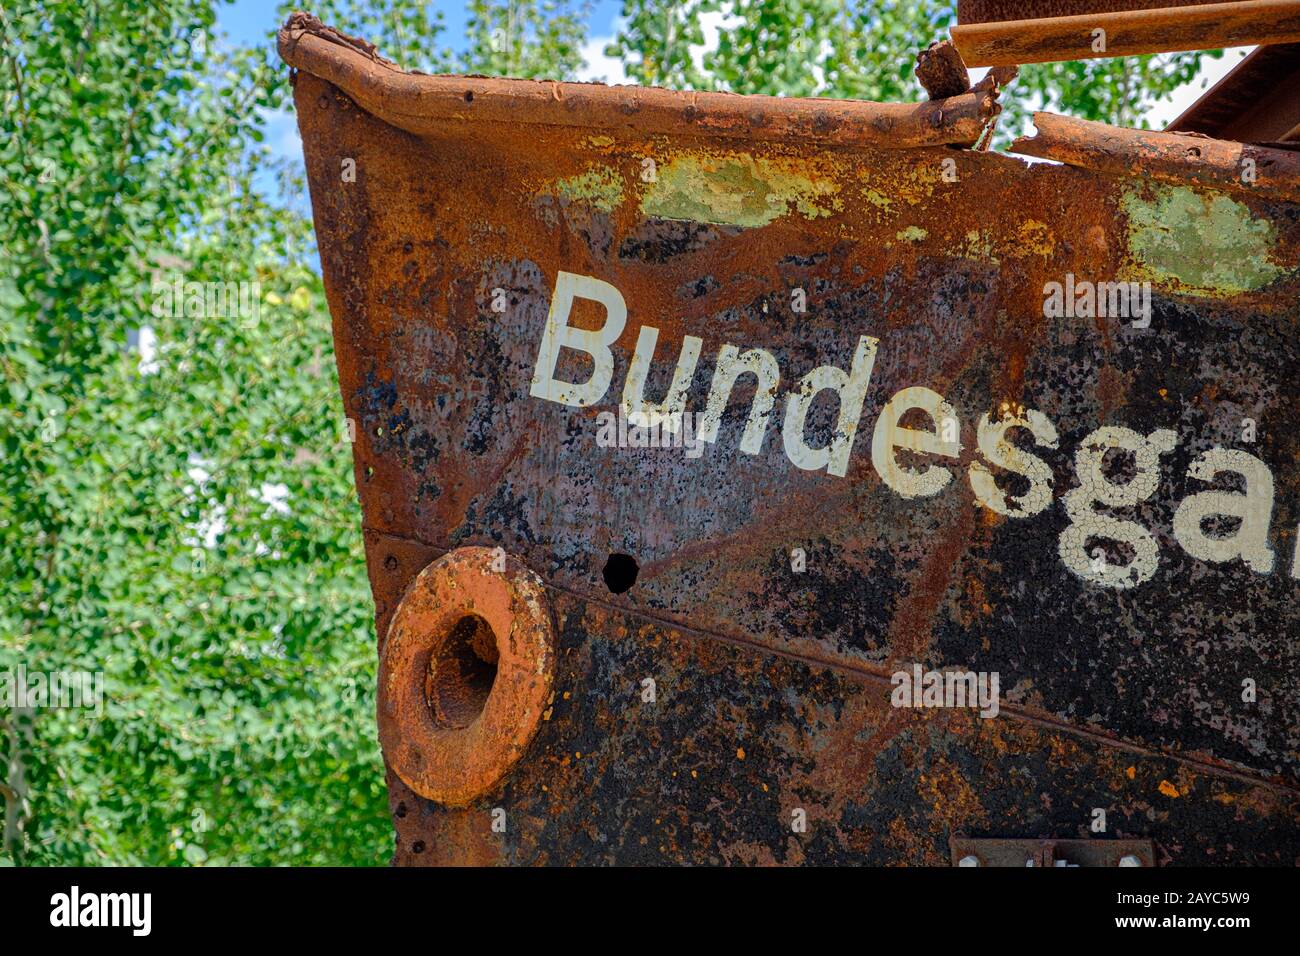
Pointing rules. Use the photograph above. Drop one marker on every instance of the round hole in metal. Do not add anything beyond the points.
(620, 572)
(462, 670)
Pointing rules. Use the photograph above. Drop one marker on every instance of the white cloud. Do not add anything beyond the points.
(282, 134)
(597, 66)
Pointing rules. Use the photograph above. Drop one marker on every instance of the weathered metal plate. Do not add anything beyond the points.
(773, 686)
(966, 852)
(986, 11)
(1257, 102)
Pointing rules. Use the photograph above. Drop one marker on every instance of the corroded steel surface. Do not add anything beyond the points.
(1091, 30)
(1121, 660)
(1258, 101)
(1239, 169)
(984, 11)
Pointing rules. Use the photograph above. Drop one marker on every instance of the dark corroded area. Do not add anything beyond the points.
(772, 684)
(735, 742)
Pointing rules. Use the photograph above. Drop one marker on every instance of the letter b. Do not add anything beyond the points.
(559, 334)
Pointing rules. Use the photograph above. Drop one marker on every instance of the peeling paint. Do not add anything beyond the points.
(738, 190)
(878, 199)
(1199, 242)
(599, 187)
(978, 245)
(913, 187)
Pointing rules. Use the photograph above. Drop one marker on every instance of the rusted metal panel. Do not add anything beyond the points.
(784, 586)
(967, 852)
(987, 11)
(1084, 33)
(1257, 102)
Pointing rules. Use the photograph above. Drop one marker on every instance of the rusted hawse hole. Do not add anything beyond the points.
(462, 670)
(465, 675)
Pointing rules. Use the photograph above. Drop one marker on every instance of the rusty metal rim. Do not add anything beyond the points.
(1128, 32)
(422, 104)
(455, 764)
(993, 11)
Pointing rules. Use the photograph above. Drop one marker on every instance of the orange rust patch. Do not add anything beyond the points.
(448, 738)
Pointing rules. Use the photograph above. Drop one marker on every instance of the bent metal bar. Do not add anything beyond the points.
(1076, 487)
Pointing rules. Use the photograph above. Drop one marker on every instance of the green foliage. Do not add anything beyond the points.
(188, 526)
(404, 32)
(541, 40)
(519, 38)
(825, 47)
(655, 42)
(136, 540)
(1119, 91)
(782, 47)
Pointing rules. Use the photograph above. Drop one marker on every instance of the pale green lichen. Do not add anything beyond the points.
(1200, 242)
(878, 199)
(737, 190)
(979, 245)
(599, 187)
